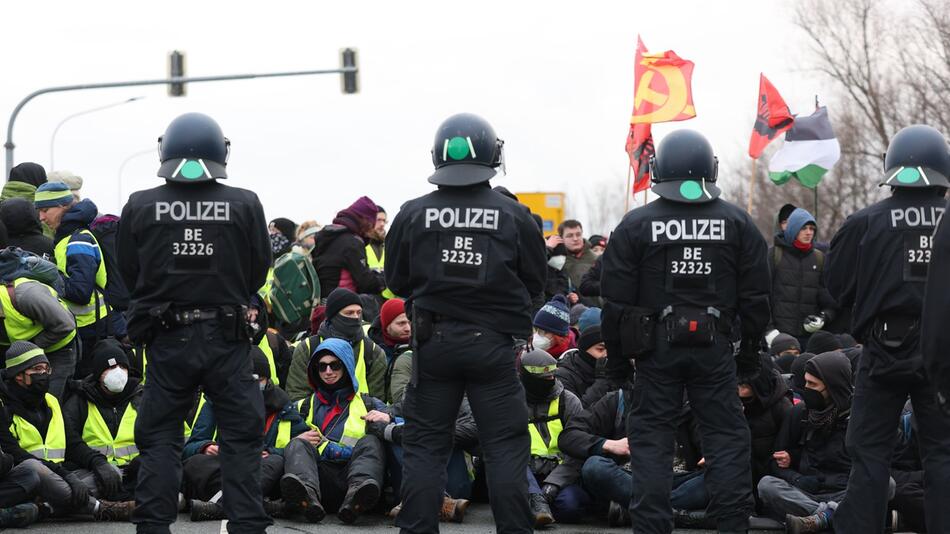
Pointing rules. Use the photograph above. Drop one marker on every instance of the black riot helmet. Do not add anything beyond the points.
(193, 149)
(684, 168)
(918, 156)
(466, 151)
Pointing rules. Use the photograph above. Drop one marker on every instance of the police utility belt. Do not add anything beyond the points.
(168, 318)
(689, 326)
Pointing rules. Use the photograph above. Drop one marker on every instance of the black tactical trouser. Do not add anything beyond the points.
(708, 374)
(871, 438)
(178, 361)
(462, 358)
(330, 480)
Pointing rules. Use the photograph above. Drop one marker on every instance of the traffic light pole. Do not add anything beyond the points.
(9, 145)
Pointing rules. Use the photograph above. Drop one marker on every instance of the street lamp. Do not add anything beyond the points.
(122, 168)
(52, 139)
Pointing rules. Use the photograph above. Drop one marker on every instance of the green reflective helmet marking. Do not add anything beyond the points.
(908, 176)
(192, 170)
(691, 190)
(458, 148)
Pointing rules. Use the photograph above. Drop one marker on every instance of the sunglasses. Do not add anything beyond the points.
(334, 366)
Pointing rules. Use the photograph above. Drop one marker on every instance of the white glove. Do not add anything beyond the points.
(770, 337)
(813, 323)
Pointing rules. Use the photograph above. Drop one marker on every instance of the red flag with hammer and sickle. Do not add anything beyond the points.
(662, 87)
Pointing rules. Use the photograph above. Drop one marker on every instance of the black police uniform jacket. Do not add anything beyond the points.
(192, 245)
(468, 253)
(674, 254)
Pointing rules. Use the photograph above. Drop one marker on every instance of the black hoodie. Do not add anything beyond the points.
(766, 412)
(23, 227)
(338, 249)
(29, 173)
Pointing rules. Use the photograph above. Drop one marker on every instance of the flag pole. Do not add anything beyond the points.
(628, 192)
(751, 187)
(816, 203)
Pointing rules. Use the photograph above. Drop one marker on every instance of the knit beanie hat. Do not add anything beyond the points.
(261, 365)
(589, 318)
(590, 337)
(782, 343)
(28, 173)
(340, 298)
(365, 208)
(785, 211)
(576, 311)
(821, 342)
(52, 194)
(847, 341)
(286, 227)
(107, 353)
(554, 316)
(67, 177)
(597, 241)
(391, 309)
(21, 356)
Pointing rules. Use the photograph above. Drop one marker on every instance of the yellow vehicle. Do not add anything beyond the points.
(549, 205)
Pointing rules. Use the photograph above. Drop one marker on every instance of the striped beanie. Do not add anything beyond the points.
(52, 194)
(21, 356)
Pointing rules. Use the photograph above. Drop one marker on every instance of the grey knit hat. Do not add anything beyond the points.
(21, 356)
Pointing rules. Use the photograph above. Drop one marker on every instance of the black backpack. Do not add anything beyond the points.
(104, 228)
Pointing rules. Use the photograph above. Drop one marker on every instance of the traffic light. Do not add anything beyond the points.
(176, 69)
(349, 80)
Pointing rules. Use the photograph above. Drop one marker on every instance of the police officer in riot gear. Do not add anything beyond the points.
(469, 260)
(193, 251)
(877, 266)
(684, 278)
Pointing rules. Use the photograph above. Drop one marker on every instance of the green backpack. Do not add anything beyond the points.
(296, 288)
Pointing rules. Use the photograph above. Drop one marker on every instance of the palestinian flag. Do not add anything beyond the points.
(810, 150)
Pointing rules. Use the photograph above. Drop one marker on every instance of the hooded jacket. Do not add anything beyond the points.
(24, 229)
(16, 401)
(81, 262)
(28, 173)
(339, 257)
(577, 371)
(298, 386)
(797, 287)
(819, 452)
(568, 471)
(331, 407)
(766, 413)
(111, 407)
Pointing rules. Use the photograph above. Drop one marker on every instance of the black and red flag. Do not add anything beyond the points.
(640, 149)
(771, 119)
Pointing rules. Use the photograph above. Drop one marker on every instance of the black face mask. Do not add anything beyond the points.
(348, 327)
(814, 400)
(537, 388)
(39, 385)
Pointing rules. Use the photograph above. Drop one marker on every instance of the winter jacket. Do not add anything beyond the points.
(15, 403)
(814, 453)
(766, 412)
(76, 410)
(577, 370)
(797, 288)
(24, 228)
(398, 367)
(589, 286)
(82, 262)
(586, 433)
(566, 472)
(277, 408)
(37, 301)
(298, 387)
(340, 255)
(577, 266)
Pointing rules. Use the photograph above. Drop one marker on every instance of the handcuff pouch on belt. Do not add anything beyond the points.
(637, 331)
(690, 326)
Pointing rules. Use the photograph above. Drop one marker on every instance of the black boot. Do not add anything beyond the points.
(206, 511)
(693, 519)
(275, 509)
(359, 499)
(541, 510)
(618, 516)
(19, 516)
(299, 498)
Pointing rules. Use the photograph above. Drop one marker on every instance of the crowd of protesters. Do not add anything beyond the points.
(333, 387)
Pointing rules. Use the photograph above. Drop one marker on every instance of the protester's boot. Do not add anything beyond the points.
(453, 510)
(359, 499)
(206, 511)
(275, 509)
(19, 516)
(811, 523)
(617, 515)
(542, 512)
(693, 519)
(298, 498)
(115, 511)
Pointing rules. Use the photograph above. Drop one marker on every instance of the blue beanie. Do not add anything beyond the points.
(52, 194)
(590, 317)
(796, 221)
(554, 316)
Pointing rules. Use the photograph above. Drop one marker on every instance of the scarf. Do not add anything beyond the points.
(804, 247)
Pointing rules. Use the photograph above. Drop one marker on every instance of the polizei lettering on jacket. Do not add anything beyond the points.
(474, 218)
(916, 216)
(689, 230)
(198, 210)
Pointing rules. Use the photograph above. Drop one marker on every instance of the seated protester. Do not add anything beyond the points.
(336, 466)
(390, 331)
(810, 468)
(577, 368)
(202, 465)
(766, 402)
(784, 349)
(271, 343)
(34, 432)
(100, 424)
(342, 321)
(821, 342)
(552, 329)
(552, 480)
(598, 438)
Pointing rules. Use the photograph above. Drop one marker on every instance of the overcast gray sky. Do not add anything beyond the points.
(554, 78)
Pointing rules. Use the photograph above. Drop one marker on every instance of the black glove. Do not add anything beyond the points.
(80, 493)
(107, 477)
(748, 362)
(808, 483)
(549, 492)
